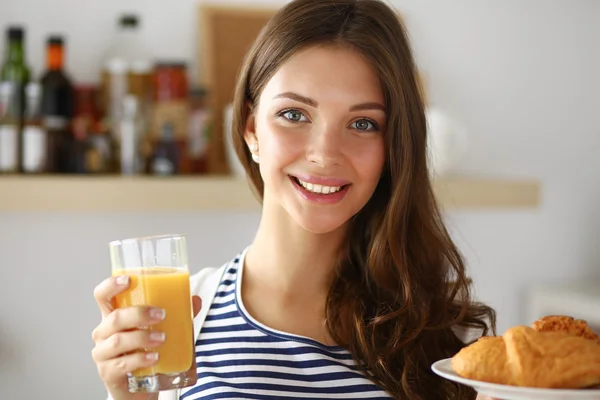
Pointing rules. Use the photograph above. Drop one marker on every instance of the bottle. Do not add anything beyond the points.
(165, 159)
(171, 104)
(127, 70)
(198, 131)
(9, 130)
(57, 106)
(130, 136)
(35, 157)
(85, 118)
(14, 70)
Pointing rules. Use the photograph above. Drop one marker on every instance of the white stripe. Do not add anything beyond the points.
(288, 344)
(328, 369)
(223, 310)
(253, 345)
(223, 299)
(340, 383)
(226, 287)
(229, 275)
(277, 357)
(219, 323)
(232, 334)
(358, 395)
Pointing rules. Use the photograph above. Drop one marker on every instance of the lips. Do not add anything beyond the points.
(319, 180)
(321, 190)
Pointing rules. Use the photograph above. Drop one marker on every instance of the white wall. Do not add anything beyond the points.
(522, 76)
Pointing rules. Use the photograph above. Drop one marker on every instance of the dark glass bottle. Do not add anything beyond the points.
(9, 131)
(35, 157)
(15, 73)
(57, 106)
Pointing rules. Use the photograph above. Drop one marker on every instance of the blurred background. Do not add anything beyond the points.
(114, 120)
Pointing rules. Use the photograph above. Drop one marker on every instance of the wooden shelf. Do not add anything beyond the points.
(218, 193)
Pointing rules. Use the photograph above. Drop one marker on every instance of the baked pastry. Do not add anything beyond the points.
(482, 360)
(551, 359)
(566, 324)
(557, 352)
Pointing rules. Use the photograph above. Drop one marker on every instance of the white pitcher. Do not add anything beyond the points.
(446, 141)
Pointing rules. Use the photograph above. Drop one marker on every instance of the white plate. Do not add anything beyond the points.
(505, 392)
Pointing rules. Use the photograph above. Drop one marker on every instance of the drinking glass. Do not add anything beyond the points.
(158, 272)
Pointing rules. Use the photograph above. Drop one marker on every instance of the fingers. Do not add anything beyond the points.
(126, 342)
(112, 372)
(105, 292)
(123, 319)
(196, 305)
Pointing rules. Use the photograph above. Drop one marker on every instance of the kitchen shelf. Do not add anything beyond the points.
(215, 193)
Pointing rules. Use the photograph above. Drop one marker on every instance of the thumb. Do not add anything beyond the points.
(196, 305)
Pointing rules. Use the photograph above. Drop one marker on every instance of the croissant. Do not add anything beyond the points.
(566, 324)
(558, 352)
(551, 359)
(482, 360)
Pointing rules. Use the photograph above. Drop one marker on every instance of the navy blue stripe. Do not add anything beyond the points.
(215, 306)
(272, 363)
(304, 350)
(329, 376)
(223, 294)
(293, 389)
(232, 314)
(230, 328)
(228, 282)
(242, 339)
(232, 394)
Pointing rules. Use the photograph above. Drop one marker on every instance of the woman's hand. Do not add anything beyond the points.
(117, 338)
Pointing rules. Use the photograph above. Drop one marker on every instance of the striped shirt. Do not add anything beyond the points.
(240, 358)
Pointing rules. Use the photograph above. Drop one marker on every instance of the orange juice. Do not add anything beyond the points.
(167, 288)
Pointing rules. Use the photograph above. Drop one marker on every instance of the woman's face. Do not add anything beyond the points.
(319, 126)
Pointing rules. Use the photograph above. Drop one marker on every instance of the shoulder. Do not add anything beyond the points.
(210, 277)
(201, 275)
(204, 276)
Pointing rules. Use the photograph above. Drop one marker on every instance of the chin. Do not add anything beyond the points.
(321, 226)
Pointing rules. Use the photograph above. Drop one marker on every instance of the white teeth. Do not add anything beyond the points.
(319, 188)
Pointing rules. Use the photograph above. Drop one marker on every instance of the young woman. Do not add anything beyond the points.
(352, 286)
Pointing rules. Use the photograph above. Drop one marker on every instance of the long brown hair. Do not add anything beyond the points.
(401, 289)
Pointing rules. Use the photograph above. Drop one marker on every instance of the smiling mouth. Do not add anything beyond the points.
(318, 189)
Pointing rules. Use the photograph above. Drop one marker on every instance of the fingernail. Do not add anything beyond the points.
(152, 356)
(157, 313)
(158, 336)
(122, 280)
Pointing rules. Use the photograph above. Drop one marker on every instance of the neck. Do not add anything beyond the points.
(15, 52)
(292, 260)
(54, 57)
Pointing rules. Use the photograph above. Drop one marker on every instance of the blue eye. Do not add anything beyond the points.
(293, 116)
(364, 125)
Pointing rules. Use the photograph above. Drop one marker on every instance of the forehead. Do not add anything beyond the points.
(327, 72)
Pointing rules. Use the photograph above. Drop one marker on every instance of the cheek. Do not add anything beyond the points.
(278, 144)
(369, 158)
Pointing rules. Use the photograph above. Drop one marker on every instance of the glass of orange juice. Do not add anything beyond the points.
(157, 267)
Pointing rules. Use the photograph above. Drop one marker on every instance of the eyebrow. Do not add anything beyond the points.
(313, 103)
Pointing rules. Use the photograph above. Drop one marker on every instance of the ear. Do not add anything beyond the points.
(250, 128)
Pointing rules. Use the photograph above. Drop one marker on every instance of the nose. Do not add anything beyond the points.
(324, 147)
